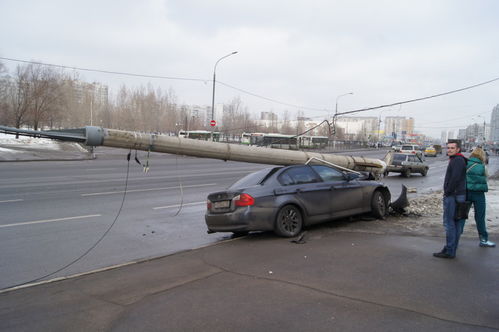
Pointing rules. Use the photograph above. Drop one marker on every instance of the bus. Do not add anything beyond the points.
(278, 141)
(204, 135)
(313, 142)
(246, 138)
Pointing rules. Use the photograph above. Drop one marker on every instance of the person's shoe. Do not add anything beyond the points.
(442, 255)
(487, 244)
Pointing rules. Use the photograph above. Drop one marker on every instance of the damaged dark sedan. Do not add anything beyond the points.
(287, 199)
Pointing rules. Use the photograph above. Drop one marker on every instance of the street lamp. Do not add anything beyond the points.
(336, 113)
(214, 75)
(336, 107)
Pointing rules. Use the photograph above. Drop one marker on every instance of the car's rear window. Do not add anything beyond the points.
(399, 157)
(407, 147)
(254, 178)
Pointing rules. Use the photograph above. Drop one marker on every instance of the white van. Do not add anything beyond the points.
(409, 148)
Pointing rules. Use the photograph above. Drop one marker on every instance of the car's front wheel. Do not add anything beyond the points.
(424, 172)
(289, 221)
(378, 205)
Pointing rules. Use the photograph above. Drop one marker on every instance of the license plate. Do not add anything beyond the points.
(221, 204)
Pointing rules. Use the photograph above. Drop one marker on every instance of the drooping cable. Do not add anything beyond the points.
(180, 186)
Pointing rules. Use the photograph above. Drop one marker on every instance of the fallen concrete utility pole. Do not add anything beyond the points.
(98, 136)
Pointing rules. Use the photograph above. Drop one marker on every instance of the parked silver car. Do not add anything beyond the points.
(286, 199)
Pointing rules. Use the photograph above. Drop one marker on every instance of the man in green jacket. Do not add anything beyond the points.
(476, 185)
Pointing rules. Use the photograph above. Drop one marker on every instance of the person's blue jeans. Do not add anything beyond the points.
(453, 228)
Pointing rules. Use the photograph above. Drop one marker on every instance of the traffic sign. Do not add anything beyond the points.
(213, 123)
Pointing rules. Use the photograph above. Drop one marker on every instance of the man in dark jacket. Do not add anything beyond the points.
(454, 191)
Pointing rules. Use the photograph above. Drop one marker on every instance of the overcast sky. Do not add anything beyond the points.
(303, 53)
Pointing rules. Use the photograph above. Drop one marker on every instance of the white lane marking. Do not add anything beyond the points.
(177, 205)
(152, 189)
(50, 220)
(12, 200)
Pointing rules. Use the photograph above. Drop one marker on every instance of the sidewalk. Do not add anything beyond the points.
(338, 280)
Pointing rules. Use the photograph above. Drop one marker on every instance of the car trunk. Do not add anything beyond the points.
(221, 202)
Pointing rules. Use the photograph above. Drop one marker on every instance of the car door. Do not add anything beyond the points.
(304, 185)
(347, 194)
(416, 163)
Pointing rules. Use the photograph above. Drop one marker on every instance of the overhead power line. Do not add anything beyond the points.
(419, 99)
(254, 94)
(270, 99)
(107, 71)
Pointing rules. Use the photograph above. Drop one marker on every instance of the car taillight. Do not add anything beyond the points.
(244, 200)
(208, 204)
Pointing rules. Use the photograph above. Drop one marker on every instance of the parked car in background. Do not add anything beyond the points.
(430, 152)
(286, 199)
(405, 164)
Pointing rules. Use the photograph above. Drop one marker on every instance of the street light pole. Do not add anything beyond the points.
(336, 114)
(214, 79)
(336, 106)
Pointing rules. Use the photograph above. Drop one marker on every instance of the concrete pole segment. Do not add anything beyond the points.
(225, 151)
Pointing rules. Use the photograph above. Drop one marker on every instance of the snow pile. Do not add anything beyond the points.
(429, 205)
(35, 143)
(30, 148)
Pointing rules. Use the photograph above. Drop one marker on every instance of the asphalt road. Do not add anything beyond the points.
(53, 212)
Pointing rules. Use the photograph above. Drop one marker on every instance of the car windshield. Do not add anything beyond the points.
(254, 178)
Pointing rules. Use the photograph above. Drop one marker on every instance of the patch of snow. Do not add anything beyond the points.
(41, 143)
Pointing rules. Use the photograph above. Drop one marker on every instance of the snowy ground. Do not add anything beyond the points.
(29, 148)
(424, 217)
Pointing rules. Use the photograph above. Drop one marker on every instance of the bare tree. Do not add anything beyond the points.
(46, 94)
(4, 82)
(286, 127)
(236, 118)
(300, 123)
(17, 97)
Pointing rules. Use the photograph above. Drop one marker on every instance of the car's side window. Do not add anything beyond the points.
(298, 175)
(285, 179)
(328, 173)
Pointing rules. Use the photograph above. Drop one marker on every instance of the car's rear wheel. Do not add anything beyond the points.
(424, 172)
(407, 173)
(378, 205)
(289, 221)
